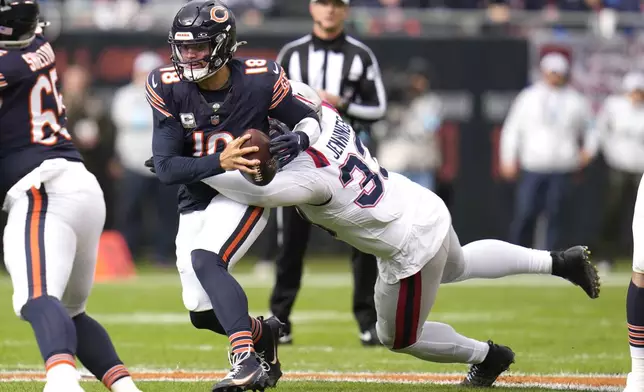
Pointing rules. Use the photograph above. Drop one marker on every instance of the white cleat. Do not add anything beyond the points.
(69, 386)
(634, 382)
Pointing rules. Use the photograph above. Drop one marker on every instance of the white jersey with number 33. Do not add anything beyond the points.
(339, 186)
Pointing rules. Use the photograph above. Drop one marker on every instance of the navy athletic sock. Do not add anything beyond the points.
(54, 330)
(96, 351)
(227, 297)
(208, 320)
(635, 319)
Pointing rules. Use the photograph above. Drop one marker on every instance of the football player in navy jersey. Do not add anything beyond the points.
(201, 104)
(56, 210)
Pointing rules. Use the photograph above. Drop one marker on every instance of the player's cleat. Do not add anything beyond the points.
(573, 264)
(370, 337)
(246, 374)
(497, 360)
(72, 386)
(287, 336)
(267, 348)
(634, 382)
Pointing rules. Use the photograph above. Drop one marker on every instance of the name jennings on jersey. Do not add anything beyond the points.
(342, 188)
(192, 126)
(32, 113)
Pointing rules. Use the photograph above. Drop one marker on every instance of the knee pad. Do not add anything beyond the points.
(204, 261)
(386, 337)
(207, 320)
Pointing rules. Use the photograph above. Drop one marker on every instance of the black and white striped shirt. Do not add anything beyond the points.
(344, 67)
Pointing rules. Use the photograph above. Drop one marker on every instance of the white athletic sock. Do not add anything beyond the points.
(62, 372)
(490, 259)
(439, 342)
(125, 384)
(637, 360)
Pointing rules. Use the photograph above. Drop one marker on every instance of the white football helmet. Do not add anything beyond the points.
(307, 94)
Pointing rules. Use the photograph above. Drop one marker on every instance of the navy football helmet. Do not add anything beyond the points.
(19, 22)
(203, 38)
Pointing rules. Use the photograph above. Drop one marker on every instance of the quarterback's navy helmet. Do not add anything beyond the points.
(203, 38)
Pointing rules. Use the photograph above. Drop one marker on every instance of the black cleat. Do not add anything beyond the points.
(369, 338)
(246, 374)
(483, 374)
(574, 265)
(267, 349)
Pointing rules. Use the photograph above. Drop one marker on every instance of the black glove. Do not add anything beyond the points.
(286, 146)
(150, 165)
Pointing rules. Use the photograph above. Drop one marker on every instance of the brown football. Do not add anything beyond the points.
(268, 166)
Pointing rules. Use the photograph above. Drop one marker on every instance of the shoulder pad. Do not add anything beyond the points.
(12, 67)
(158, 87)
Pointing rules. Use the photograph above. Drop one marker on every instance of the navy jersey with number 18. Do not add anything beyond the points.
(191, 123)
(32, 114)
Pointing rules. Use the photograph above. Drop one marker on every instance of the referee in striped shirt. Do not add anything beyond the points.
(345, 73)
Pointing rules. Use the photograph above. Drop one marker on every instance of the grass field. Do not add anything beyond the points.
(562, 339)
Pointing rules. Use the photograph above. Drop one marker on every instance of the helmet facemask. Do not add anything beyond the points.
(198, 59)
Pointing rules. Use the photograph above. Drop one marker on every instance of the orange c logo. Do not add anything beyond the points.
(219, 14)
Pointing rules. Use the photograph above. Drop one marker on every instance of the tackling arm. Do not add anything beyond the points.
(288, 188)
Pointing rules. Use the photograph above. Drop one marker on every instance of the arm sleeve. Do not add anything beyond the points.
(291, 111)
(511, 132)
(167, 147)
(372, 92)
(170, 165)
(288, 188)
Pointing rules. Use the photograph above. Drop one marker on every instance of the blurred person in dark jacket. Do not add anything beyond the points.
(92, 132)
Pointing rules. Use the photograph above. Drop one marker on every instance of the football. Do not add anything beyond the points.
(268, 167)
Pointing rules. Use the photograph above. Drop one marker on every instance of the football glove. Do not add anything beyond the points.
(286, 145)
(150, 165)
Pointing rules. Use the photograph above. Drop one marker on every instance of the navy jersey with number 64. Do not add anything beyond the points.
(32, 114)
(192, 125)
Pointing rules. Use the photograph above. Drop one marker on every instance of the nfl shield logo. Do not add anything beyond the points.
(214, 120)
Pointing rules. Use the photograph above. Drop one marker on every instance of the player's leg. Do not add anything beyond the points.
(95, 349)
(635, 300)
(365, 273)
(289, 268)
(264, 332)
(229, 228)
(490, 259)
(403, 307)
(39, 252)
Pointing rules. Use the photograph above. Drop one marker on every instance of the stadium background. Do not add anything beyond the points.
(481, 54)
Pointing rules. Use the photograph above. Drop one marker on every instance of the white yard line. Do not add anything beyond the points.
(595, 382)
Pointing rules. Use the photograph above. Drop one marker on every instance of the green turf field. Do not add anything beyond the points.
(552, 326)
